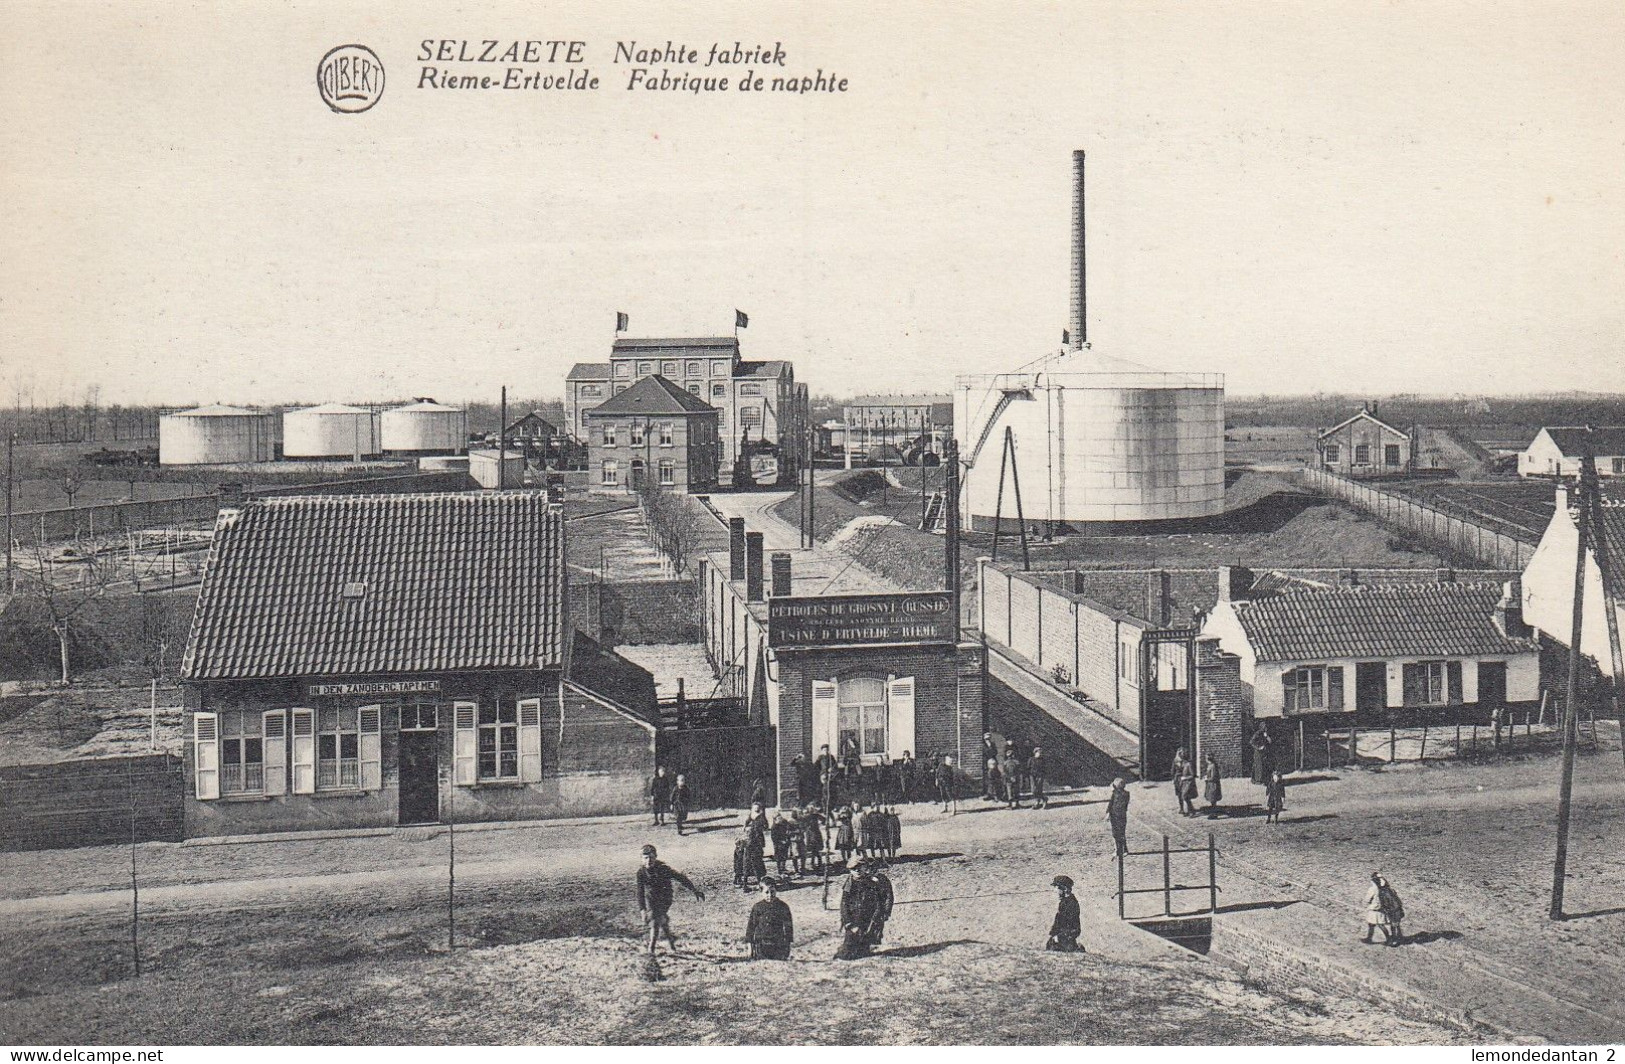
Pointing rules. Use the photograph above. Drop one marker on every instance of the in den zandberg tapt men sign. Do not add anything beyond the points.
(860, 620)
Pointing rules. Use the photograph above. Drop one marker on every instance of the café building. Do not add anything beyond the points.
(827, 657)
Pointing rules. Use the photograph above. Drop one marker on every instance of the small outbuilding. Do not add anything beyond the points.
(1365, 446)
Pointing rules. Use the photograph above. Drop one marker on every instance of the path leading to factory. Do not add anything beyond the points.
(820, 570)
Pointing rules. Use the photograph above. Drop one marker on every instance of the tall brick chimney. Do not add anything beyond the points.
(736, 548)
(781, 574)
(1078, 319)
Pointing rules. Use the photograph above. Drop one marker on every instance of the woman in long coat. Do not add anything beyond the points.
(1212, 790)
(1263, 754)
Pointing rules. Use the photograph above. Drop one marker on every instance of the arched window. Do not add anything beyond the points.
(862, 715)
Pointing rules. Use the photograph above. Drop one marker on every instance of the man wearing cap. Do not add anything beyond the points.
(771, 930)
(655, 896)
(866, 904)
(1068, 924)
(1117, 813)
(945, 781)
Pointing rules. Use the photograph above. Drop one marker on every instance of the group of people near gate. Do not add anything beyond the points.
(1013, 772)
(1184, 772)
(846, 780)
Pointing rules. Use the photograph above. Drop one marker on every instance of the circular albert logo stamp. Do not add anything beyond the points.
(351, 78)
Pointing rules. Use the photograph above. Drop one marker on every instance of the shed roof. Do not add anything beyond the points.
(588, 371)
(1606, 441)
(776, 367)
(437, 583)
(1399, 620)
(652, 395)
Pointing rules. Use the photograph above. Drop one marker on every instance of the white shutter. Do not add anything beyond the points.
(206, 753)
(899, 716)
(530, 739)
(276, 751)
(465, 744)
(372, 772)
(304, 751)
(824, 716)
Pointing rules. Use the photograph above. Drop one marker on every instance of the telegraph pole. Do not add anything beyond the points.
(950, 499)
(1571, 708)
(11, 471)
(502, 441)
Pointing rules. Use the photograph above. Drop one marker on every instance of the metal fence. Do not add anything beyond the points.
(1493, 543)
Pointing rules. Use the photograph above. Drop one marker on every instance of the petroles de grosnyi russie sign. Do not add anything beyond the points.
(860, 620)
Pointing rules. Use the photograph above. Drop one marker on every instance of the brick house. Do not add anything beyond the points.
(360, 661)
(1364, 446)
(886, 671)
(653, 429)
(755, 401)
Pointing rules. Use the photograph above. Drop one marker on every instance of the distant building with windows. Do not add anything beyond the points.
(652, 429)
(1365, 446)
(754, 401)
(372, 660)
(902, 421)
(1556, 451)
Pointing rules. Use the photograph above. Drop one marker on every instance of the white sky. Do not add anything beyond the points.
(1370, 197)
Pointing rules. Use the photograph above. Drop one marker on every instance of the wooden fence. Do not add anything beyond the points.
(1495, 544)
(91, 802)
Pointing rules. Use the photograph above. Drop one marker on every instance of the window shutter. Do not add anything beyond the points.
(1334, 687)
(372, 762)
(276, 751)
(206, 753)
(823, 715)
(530, 739)
(1289, 692)
(1414, 694)
(304, 751)
(1453, 682)
(899, 716)
(465, 745)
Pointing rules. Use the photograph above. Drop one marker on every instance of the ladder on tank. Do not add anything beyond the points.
(936, 508)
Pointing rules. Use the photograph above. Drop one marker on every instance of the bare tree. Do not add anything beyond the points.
(61, 588)
(673, 524)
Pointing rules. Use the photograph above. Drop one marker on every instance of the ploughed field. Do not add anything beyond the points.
(1520, 506)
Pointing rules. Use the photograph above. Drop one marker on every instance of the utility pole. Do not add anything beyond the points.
(11, 472)
(950, 499)
(502, 440)
(1571, 708)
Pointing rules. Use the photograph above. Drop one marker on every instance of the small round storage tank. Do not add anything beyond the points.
(329, 431)
(425, 427)
(1098, 441)
(216, 435)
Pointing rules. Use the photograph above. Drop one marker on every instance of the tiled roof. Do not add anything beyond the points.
(652, 395)
(1401, 620)
(653, 343)
(588, 371)
(440, 582)
(1606, 441)
(1613, 535)
(534, 418)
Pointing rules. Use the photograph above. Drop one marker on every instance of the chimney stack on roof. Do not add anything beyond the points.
(753, 567)
(781, 574)
(1079, 319)
(736, 548)
(1235, 583)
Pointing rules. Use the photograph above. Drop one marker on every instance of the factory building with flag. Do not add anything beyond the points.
(762, 413)
(365, 661)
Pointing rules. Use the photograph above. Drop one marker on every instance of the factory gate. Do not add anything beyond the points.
(1167, 699)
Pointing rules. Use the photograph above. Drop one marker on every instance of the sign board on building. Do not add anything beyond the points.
(382, 687)
(860, 620)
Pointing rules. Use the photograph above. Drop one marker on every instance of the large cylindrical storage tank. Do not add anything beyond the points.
(425, 427)
(216, 435)
(1097, 441)
(329, 431)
